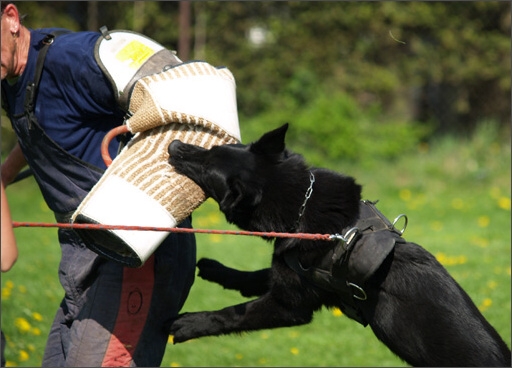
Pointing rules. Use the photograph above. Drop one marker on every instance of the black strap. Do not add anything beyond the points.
(324, 278)
(31, 90)
(32, 87)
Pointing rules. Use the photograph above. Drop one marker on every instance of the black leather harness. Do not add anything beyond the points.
(366, 245)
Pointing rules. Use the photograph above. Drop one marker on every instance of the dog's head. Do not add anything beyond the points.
(234, 175)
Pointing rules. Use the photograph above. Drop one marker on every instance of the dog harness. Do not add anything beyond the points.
(356, 257)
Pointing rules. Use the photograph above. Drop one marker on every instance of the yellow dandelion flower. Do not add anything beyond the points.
(170, 339)
(22, 324)
(293, 334)
(6, 293)
(37, 316)
(492, 285)
(10, 363)
(174, 364)
(504, 203)
(31, 347)
(405, 195)
(479, 241)
(264, 335)
(35, 331)
(200, 222)
(9, 284)
(436, 225)
(441, 257)
(336, 312)
(215, 238)
(484, 221)
(23, 356)
(462, 259)
(22, 289)
(214, 218)
(486, 303)
(457, 203)
(450, 260)
(262, 361)
(294, 351)
(239, 356)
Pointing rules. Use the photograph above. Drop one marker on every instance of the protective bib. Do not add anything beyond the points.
(126, 56)
(193, 102)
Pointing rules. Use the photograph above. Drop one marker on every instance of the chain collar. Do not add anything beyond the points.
(308, 194)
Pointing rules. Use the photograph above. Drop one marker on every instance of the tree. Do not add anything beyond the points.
(452, 57)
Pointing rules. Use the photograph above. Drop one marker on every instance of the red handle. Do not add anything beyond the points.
(106, 142)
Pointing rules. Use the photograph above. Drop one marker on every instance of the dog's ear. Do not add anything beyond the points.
(239, 201)
(271, 143)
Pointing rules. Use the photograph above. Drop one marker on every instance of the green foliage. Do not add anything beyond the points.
(442, 63)
(384, 51)
(331, 126)
(37, 15)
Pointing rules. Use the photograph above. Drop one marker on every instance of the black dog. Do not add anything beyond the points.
(370, 272)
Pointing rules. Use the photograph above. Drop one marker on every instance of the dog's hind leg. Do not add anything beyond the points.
(248, 283)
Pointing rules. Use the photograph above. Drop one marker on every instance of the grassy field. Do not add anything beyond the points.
(455, 193)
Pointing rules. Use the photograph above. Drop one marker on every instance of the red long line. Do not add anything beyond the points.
(173, 229)
(108, 160)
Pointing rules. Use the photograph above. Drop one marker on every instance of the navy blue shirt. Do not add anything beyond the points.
(75, 104)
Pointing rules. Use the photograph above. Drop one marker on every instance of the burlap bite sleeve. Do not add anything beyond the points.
(193, 102)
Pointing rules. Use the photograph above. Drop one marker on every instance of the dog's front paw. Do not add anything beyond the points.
(210, 269)
(192, 325)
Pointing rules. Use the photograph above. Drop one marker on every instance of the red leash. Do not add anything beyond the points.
(175, 230)
(108, 160)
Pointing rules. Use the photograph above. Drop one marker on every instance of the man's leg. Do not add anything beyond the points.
(54, 353)
(119, 316)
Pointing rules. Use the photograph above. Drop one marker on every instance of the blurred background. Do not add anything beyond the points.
(411, 98)
(365, 70)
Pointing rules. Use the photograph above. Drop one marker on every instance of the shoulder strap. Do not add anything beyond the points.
(31, 90)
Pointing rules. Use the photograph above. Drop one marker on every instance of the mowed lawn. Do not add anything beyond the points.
(456, 195)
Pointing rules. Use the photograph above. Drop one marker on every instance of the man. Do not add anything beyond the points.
(110, 315)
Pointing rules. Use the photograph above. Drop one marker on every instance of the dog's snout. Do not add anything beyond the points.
(174, 146)
(175, 152)
(180, 149)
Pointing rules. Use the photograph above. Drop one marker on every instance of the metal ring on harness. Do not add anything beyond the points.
(405, 224)
(347, 238)
(48, 40)
(360, 289)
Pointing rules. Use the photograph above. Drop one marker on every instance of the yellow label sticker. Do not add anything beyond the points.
(136, 53)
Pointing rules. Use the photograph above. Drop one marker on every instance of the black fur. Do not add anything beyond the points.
(414, 306)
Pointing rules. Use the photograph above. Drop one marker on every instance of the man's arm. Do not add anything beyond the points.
(9, 247)
(12, 165)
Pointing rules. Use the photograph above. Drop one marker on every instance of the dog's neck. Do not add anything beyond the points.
(327, 203)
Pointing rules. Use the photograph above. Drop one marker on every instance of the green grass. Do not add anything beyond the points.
(455, 193)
